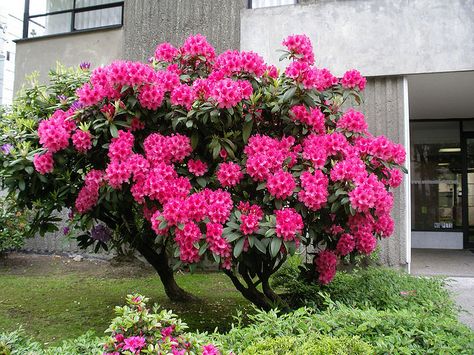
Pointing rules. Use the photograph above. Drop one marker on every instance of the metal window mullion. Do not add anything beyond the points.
(73, 16)
(26, 18)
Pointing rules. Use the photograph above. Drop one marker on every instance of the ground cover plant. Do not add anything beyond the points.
(195, 156)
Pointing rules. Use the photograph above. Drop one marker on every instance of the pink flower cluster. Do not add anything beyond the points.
(371, 193)
(281, 184)
(82, 141)
(382, 148)
(217, 244)
(314, 189)
(289, 224)
(89, 194)
(266, 155)
(345, 244)
(229, 174)
(314, 118)
(44, 163)
(250, 217)
(300, 48)
(197, 47)
(326, 263)
(350, 169)
(228, 93)
(54, 133)
(182, 95)
(166, 52)
(353, 121)
(353, 79)
(234, 62)
(197, 167)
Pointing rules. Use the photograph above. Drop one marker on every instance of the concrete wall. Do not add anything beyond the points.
(41, 54)
(386, 111)
(378, 37)
(150, 22)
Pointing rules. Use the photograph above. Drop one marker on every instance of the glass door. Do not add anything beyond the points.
(468, 188)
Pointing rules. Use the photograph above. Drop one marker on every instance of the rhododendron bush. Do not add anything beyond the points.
(202, 156)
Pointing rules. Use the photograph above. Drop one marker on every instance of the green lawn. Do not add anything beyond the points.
(65, 305)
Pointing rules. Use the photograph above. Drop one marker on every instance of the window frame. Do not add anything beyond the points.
(73, 11)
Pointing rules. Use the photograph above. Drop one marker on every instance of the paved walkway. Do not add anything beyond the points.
(458, 266)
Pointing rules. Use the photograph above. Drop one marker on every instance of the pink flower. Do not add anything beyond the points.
(229, 174)
(82, 141)
(151, 96)
(134, 343)
(250, 218)
(314, 189)
(197, 47)
(272, 71)
(300, 48)
(43, 163)
(326, 262)
(352, 79)
(182, 95)
(197, 167)
(345, 244)
(365, 242)
(120, 147)
(314, 118)
(166, 52)
(186, 239)
(314, 150)
(210, 350)
(54, 133)
(227, 93)
(281, 184)
(353, 121)
(288, 223)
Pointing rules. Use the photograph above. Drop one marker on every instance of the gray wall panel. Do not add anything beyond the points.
(150, 22)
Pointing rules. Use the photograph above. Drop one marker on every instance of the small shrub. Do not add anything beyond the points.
(322, 345)
(17, 343)
(137, 329)
(377, 287)
(14, 225)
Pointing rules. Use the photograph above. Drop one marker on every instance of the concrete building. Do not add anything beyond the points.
(418, 56)
(11, 25)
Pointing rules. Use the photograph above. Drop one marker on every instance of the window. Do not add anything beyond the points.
(46, 17)
(436, 176)
(255, 4)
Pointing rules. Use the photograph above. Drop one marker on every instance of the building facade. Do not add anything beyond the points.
(418, 56)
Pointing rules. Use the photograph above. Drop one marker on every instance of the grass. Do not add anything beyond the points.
(57, 307)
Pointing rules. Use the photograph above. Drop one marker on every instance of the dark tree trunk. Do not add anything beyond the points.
(160, 263)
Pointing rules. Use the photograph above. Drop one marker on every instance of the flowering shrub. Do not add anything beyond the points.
(139, 330)
(226, 158)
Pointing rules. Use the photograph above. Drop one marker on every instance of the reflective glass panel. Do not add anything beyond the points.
(436, 176)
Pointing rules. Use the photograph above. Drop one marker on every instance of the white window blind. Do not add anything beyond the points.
(269, 3)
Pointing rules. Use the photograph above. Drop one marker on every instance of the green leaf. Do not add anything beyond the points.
(232, 237)
(270, 232)
(194, 140)
(21, 185)
(289, 93)
(202, 181)
(335, 206)
(239, 246)
(29, 170)
(203, 248)
(275, 246)
(113, 130)
(260, 246)
(163, 225)
(246, 130)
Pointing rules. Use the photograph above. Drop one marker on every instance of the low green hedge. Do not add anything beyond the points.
(321, 345)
